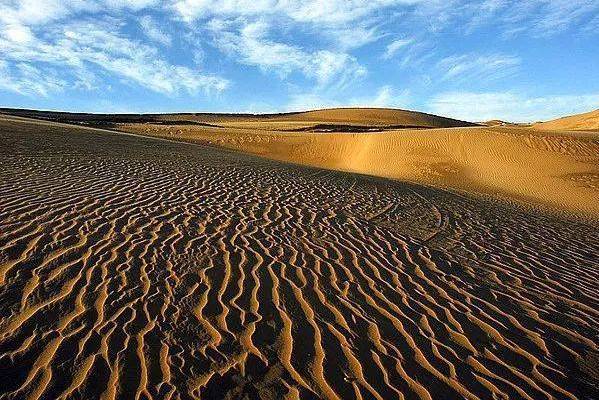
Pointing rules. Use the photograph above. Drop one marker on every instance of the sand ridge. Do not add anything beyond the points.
(376, 117)
(136, 268)
(552, 169)
(580, 122)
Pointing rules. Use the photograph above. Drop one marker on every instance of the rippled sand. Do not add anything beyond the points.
(141, 268)
(554, 170)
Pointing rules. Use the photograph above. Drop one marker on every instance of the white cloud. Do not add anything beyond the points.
(131, 4)
(389, 97)
(33, 34)
(317, 39)
(548, 17)
(252, 46)
(509, 106)
(395, 46)
(385, 97)
(350, 37)
(416, 55)
(475, 67)
(513, 17)
(38, 12)
(76, 47)
(539, 17)
(27, 80)
(347, 24)
(18, 33)
(153, 31)
(331, 67)
(314, 11)
(32, 12)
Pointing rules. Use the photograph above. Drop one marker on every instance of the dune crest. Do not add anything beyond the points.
(376, 117)
(541, 168)
(580, 122)
(549, 169)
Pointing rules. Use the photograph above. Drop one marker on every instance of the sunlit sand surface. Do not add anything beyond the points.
(585, 122)
(132, 267)
(558, 170)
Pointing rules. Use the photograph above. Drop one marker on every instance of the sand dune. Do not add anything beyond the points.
(550, 169)
(137, 268)
(580, 122)
(540, 168)
(498, 122)
(373, 116)
(366, 117)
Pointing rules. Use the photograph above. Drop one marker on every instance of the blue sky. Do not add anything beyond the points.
(475, 60)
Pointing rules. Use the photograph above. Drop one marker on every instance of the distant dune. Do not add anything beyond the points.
(498, 122)
(546, 168)
(375, 118)
(512, 162)
(495, 122)
(579, 122)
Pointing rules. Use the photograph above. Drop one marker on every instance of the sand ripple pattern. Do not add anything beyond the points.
(141, 269)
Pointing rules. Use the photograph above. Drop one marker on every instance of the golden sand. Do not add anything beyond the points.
(559, 170)
(580, 122)
(138, 268)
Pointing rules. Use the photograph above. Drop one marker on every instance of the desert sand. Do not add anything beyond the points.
(557, 170)
(580, 122)
(368, 117)
(552, 169)
(139, 267)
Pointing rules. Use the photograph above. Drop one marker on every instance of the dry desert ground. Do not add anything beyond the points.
(339, 254)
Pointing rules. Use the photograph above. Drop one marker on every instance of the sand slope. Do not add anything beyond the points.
(498, 122)
(138, 268)
(580, 122)
(541, 168)
(553, 169)
(367, 117)
(374, 116)
(544, 168)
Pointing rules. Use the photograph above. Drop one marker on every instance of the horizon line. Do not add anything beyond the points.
(268, 114)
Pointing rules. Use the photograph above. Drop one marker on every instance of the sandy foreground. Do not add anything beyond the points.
(132, 267)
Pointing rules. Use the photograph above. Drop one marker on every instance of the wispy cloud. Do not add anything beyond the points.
(313, 11)
(18, 33)
(350, 37)
(313, 46)
(393, 47)
(28, 80)
(509, 106)
(385, 96)
(513, 17)
(345, 24)
(75, 48)
(547, 17)
(30, 36)
(39, 12)
(475, 67)
(153, 31)
(368, 18)
(250, 43)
